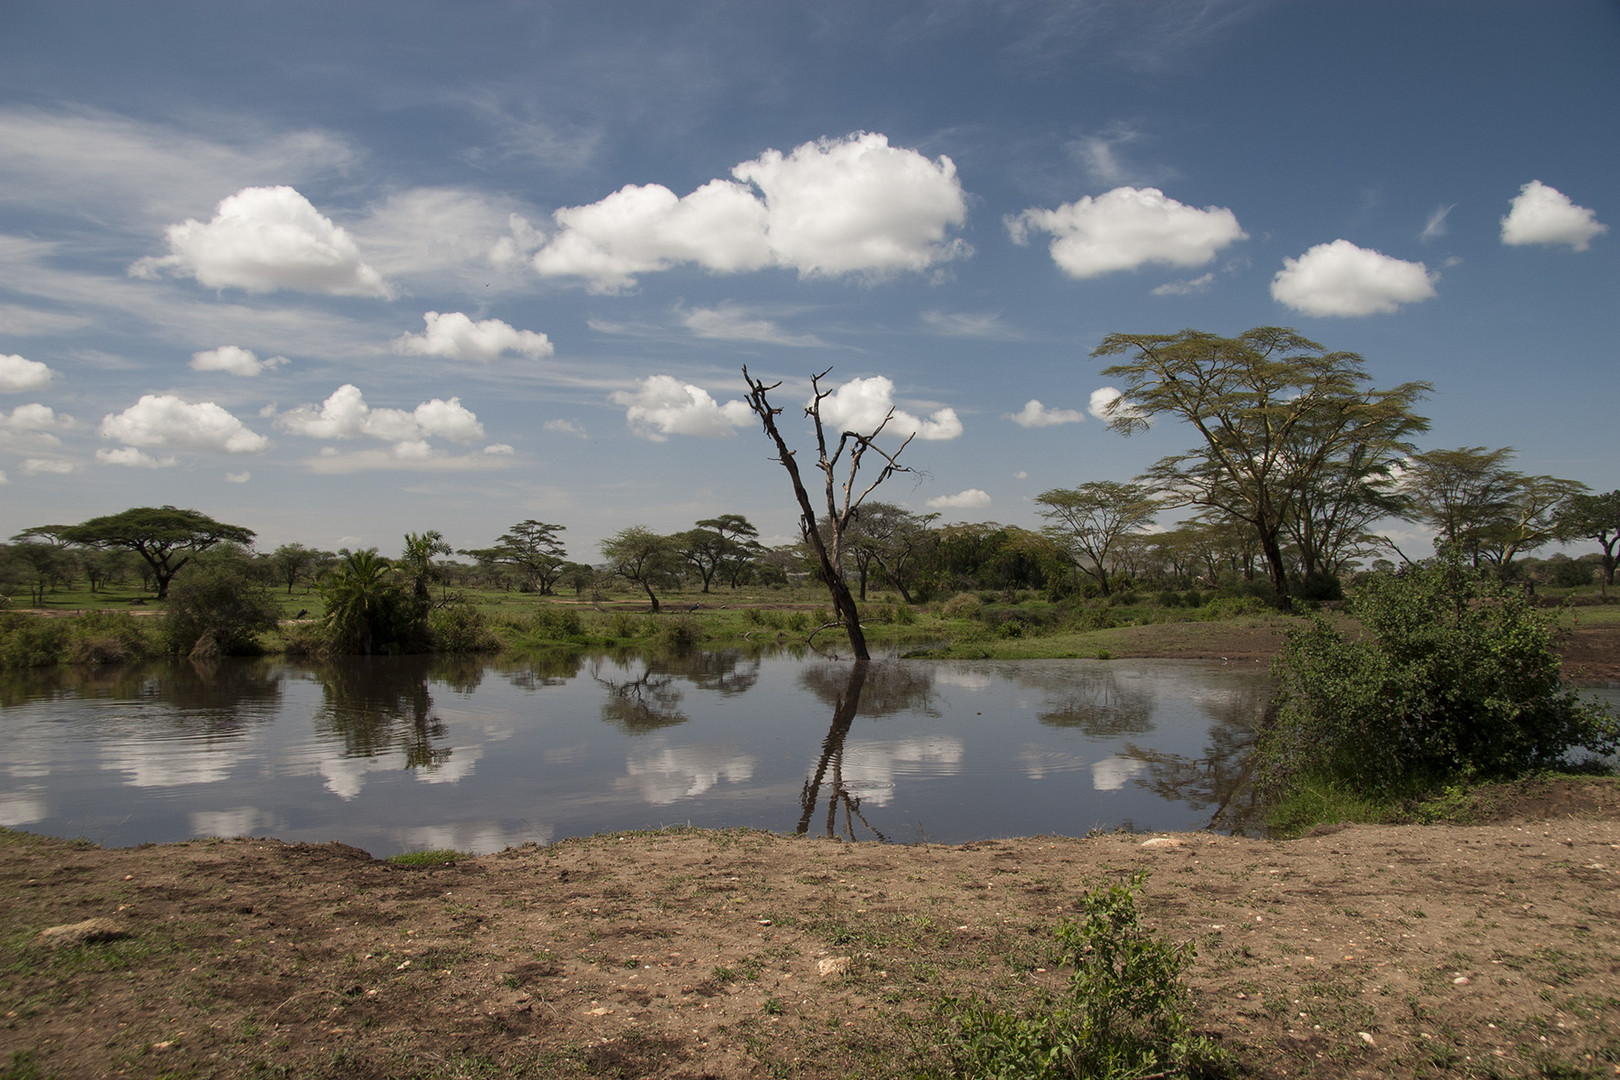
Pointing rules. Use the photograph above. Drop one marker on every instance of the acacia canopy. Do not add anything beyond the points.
(1281, 418)
(164, 536)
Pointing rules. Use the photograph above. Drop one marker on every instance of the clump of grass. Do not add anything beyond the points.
(416, 860)
(1125, 1013)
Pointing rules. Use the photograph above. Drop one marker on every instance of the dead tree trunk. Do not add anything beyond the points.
(842, 499)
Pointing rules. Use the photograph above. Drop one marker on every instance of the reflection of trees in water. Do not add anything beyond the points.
(223, 698)
(886, 689)
(462, 673)
(640, 703)
(1220, 778)
(829, 770)
(727, 671)
(651, 700)
(1097, 702)
(377, 705)
(553, 667)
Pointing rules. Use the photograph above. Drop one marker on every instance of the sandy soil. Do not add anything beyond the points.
(1357, 951)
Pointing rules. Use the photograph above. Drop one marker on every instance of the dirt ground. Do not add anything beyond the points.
(1490, 949)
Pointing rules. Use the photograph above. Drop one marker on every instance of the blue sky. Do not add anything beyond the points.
(335, 272)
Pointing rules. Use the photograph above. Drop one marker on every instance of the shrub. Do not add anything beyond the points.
(28, 641)
(962, 606)
(107, 637)
(221, 603)
(460, 628)
(904, 614)
(678, 634)
(1125, 1013)
(1451, 676)
(554, 623)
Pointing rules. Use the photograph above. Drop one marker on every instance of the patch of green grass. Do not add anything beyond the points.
(416, 860)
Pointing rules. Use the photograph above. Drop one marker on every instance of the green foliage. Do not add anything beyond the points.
(678, 634)
(28, 641)
(961, 606)
(1125, 1013)
(460, 628)
(218, 602)
(94, 637)
(1451, 676)
(367, 611)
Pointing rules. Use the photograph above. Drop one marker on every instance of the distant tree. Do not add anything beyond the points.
(742, 545)
(841, 491)
(1483, 509)
(41, 566)
(165, 537)
(1461, 494)
(1534, 511)
(704, 549)
(1594, 517)
(1279, 418)
(650, 560)
(1089, 522)
(893, 538)
(295, 562)
(417, 564)
(536, 551)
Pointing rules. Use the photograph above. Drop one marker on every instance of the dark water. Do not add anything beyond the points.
(407, 753)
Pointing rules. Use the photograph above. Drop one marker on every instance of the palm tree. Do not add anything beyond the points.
(362, 601)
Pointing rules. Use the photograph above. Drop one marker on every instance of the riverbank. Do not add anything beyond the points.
(1355, 951)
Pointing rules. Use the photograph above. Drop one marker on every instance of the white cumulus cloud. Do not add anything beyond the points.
(455, 336)
(832, 207)
(861, 404)
(1102, 404)
(1126, 228)
(1343, 279)
(1034, 415)
(164, 421)
(663, 406)
(234, 359)
(263, 239)
(970, 499)
(345, 415)
(1540, 214)
(18, 373)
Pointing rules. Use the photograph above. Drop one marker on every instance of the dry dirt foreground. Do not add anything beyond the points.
(1358, 951)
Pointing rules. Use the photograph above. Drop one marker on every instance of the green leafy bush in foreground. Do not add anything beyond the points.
(1451, 677)
(1125, 1013)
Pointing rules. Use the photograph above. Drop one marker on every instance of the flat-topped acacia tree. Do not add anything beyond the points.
(164, 536)
(843, 499)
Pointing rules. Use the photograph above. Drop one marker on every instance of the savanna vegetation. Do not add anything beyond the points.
(1275, 509)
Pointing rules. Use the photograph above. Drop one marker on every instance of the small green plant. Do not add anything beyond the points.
(1125, 1013)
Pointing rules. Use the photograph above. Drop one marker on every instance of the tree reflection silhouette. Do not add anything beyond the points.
(1100, 705)
(1221, 777)
(380, 705)
(846, 703)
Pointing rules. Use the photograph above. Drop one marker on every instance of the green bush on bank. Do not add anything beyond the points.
(1452, 677)
(94, 637)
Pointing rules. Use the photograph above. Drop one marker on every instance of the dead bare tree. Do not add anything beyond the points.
(842, 493)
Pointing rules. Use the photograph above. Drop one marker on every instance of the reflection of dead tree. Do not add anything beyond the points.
(840, 510)
(832, 757)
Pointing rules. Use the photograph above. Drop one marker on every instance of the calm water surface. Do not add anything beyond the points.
(406, 753)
